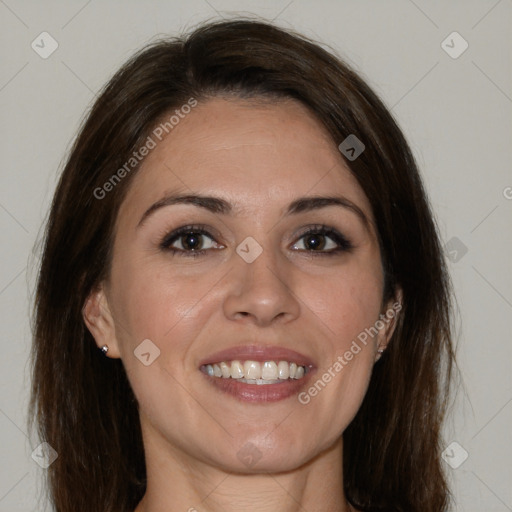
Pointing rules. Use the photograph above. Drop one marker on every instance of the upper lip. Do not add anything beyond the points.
(258, 353)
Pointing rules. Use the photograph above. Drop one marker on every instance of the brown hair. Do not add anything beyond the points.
(82, 402)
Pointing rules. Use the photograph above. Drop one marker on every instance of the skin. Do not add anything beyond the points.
(259, 156)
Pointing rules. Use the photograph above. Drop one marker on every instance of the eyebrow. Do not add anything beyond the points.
(221, 206)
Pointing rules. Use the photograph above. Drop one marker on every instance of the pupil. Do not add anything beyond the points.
(191, 241)
(315, 241)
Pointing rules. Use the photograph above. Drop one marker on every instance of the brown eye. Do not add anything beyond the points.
(322, 240)
(189, 240)
(314, 242)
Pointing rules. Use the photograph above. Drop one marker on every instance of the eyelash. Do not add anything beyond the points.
(344, 245)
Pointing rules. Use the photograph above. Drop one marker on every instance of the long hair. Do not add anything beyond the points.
(82, 402)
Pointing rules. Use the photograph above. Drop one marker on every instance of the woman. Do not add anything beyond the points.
(242, 301)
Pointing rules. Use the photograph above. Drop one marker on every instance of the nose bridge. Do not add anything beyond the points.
(264, 271)
(261, 286)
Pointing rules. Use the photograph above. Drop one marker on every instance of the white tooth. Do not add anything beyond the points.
(237, 370)
(269, 370)
(283, 369)
(252, 370)
(255, 372)
(225, 369)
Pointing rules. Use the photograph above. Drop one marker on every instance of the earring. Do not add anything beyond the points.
(379, 354)
(104, 349)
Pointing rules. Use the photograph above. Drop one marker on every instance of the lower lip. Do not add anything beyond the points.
(260, 392)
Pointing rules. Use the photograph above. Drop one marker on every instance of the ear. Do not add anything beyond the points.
(388, 317)
(100, 322)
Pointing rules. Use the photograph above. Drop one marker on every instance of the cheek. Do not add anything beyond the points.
(166, 307)
(170, 311)
(346, 303)
(154, 300)
(345, 309)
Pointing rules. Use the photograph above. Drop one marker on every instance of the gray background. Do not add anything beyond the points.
(454, 111)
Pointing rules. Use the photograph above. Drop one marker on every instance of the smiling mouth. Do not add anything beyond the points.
(256, 372)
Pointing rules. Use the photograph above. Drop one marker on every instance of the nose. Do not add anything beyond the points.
(261, 292)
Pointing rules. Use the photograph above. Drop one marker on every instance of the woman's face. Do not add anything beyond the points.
(265, 274)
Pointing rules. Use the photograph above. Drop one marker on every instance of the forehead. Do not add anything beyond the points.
(252, 153)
